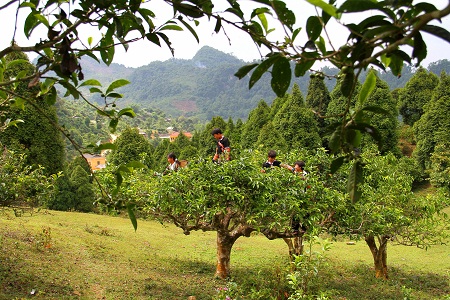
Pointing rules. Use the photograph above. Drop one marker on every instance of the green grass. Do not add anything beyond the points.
(66, 255)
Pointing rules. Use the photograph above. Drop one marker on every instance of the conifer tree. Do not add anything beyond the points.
(82, 189)
(277, 104)
(416, 94)
(296, 123)
(433, 126)
(338, 102)
(387, 125)
(131, 146)
(232, 133)
(270, 138)
(318, 98)
(37, 136)
(257, 118)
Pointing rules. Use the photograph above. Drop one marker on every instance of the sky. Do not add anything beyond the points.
(235, 42)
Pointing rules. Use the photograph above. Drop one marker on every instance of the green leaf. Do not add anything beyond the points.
(135, 165)
(50, 97)
(153, 37)
(119, 181)
(114, 95)
(329, 9)
(172, 27)
(116, 84)
(348, 83)
(19, 103)
(15, 122)
(376, 109)
(134, 5)
(313, 28)
(335, 140)
(193, 32)
(367, 128)
(16, 62)
(167, 41)
(261, 13)
(107, 48)
(105, 146)
(425, 7)
(305, 63)
(355, 178)
(295, 33)
(367, 88)
(302, 66)
(396, 65)
(353, 137)
(336, 164)
(95, 90)
(42, 19)
(218, 25)
(127, 112)
(262, 68)
(243, 71)
(281, 76)
(106, 113)
(92, 82)
(119, 27)
(420, 48)
(187, 9)
(350, 6)
(132, 216)
(321, 45)
(285, 15)
(30, 23)
(113, 125)
(70, 89)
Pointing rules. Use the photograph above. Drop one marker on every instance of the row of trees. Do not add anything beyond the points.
(235, 199)
(289, 123)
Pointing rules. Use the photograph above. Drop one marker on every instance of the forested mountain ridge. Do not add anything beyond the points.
(205, 86)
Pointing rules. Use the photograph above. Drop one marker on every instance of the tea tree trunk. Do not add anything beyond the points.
(379, 255)
(225, 243)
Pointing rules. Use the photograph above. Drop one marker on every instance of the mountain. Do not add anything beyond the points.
(205, 86)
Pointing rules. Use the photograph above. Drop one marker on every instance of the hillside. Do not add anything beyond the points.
(205, 86)
(69, 255)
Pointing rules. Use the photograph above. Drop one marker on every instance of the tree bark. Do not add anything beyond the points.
(379, 255)
(224, 244)
(295, 246)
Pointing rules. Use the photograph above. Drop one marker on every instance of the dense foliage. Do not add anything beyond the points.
(235, 198)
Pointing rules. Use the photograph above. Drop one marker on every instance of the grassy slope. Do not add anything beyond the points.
(87, 256)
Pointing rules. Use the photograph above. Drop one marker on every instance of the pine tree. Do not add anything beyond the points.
(82, 189)
(386, 125)
(433, 126)
(270, 139)
(37, 137)
(257, 118)
(296, 123)
(416, 94)
(131, 146)
(318, 98)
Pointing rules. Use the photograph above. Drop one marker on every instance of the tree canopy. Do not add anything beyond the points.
(376, 40)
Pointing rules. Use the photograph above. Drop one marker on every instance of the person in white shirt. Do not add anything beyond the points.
(173, 162)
